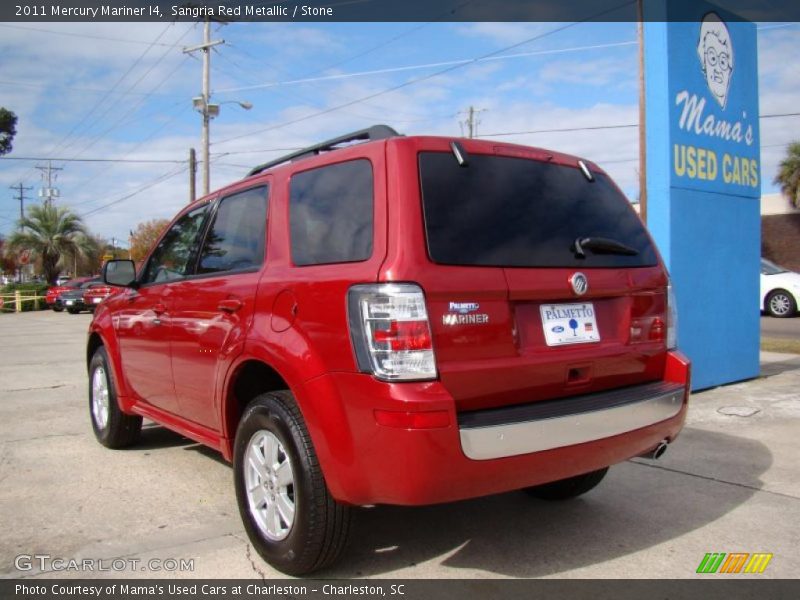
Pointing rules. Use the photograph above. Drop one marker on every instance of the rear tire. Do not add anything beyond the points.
(57, 308)
(565, 489)
(291, 518)
(73, 311)
(112, 427)
(781, 304)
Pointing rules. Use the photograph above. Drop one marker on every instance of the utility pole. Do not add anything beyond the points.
(49, 192)
(472, 122)
(192, 175)
(208, 111)
(21, 189)
(642, 118)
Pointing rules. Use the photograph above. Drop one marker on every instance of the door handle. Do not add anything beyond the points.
(159, 309)
(230, 305)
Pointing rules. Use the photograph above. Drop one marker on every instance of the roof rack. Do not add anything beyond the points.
(376, 132)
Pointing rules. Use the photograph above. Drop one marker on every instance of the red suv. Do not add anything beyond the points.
(405, 320)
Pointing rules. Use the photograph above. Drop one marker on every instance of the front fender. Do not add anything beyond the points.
(102, 332)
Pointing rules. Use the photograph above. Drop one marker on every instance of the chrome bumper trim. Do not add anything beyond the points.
(512, 439)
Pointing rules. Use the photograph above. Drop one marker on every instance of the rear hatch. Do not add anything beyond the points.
(514, 236)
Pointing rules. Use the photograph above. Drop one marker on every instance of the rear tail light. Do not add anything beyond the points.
(654, 318)
(672, 318)
(390, 331)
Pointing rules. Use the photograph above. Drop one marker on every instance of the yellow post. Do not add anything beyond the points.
(18, 300)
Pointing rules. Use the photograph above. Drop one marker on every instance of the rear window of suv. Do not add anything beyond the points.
(517, 212)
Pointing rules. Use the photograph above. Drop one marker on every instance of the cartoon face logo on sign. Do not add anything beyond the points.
(715, 51)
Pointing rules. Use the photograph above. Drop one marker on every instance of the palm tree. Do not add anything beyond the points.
(788, 176)
(50, 233)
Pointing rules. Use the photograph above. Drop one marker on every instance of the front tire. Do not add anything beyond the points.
(112, 427)
(291, 518)
(781, 304)
(565, 489)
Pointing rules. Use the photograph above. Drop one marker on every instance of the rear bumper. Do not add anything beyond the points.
(484, 452)
(543, 426)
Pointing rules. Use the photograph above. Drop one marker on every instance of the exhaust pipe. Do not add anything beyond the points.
(656, 452)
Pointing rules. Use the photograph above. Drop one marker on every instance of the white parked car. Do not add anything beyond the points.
(780, 290)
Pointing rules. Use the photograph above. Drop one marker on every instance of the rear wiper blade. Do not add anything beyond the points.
(601, 245)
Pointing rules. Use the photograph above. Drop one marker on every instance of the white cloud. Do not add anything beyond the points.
(597, 73)
(505, 34)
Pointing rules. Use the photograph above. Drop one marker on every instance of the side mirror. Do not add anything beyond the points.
(121, 273)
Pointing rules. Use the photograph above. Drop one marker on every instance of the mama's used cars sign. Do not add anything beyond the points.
(714, 112)
(704, 179)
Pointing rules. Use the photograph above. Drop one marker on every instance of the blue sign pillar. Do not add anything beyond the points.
(704, 180)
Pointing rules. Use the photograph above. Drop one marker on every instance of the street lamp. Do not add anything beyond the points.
(201, 103)
(210, 110)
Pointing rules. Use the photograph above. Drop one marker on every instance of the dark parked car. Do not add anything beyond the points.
(408, 321)
(72, 299)
(53, 292)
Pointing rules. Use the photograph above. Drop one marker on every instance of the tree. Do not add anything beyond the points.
(8, 129)
(788, 176)
(53, 235)
(145, 236)
(8, 263)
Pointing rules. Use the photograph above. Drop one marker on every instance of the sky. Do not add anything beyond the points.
(123, 91)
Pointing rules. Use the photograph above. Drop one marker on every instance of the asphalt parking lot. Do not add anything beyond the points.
(731, 483)
(786, 329)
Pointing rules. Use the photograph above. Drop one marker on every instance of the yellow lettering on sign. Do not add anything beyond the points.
(739, 170)
(695, 163)
(703, 163)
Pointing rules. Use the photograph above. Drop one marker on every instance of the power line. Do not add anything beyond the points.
(221, 154)
(599, 127)
(137, 105)
(61, 144)
(133, 109)
(294, 97)
(89, 160)
(425, 77)
(87, 36)
(459, 62)
(131, 151)
(82, 89)
(558, 130)
(794, 114)
(446, 14)
(161, 179)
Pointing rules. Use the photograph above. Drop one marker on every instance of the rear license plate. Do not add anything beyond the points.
(569, 323)
(70, 302)
(97, 300)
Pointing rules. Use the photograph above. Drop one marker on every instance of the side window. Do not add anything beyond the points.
(172, 258)
(236, 237)
(331, 214)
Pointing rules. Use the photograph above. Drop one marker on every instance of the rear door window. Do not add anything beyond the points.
(331, 214)
(516, 212)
